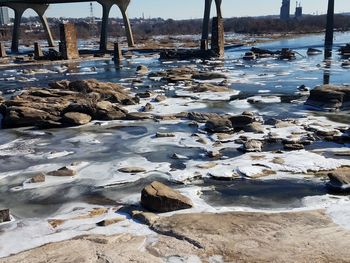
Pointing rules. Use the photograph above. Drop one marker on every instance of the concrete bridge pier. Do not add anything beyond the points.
(19, 9)
(206, 21)
(328, 45)
(123, 6)
(106, 7)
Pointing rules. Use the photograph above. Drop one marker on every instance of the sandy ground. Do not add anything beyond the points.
(228, 237)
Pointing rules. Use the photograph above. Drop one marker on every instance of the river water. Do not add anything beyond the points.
(100, 149)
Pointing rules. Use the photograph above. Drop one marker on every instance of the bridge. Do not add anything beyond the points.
(40, 7)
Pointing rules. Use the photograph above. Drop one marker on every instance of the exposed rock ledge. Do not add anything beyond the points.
(236, 237)
(329, 98)
(66, 103)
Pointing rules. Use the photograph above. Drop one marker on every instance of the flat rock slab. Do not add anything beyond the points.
(63, 172)
(160, 198)
(76, 118)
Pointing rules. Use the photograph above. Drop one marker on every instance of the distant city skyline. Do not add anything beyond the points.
(194, 8)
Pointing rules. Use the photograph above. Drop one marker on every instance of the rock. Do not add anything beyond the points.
(209, 75)
(160, 98)
(253, 146)
(63, 172)
(202, 117)
(108, 222)
(255, 127)
(158, 197)
(214, 154)
(293, 146)
(146, 218)
(147, 107)
(76, 118)
(208, 87)
(329, 98)
(132, 170)
(303, 88)
(39, 178)
(340, 180)
(219, 125)
(106, 110)
(142, 70)
(240, 122)
(144, 95)
(165, 135)
(5, 215)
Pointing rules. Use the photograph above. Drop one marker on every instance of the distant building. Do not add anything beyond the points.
(285, 10)
(4, 16)
(298, 11)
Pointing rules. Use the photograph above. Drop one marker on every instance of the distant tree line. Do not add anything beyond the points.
(147, 28)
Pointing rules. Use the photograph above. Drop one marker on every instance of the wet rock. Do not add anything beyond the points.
(158, 197)
(160, 98)
(132, 170)
(329, 98)
(76, 118)
(219, 125)
(108, 222)
(340, 180)
(63, 172)
(253, 146)
(5, 215)
(164, 135)
(142, 70)
(39, 178)
(144, 95)
(293, 146)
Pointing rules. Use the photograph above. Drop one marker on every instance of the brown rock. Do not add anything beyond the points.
(253, 146)
(5, 215)
(165, 135)
(293, 146)
(39, 178)
(63, 172)
(158, 197)
(219, 125)
(76, 118)
(146, 218)
(160, 98)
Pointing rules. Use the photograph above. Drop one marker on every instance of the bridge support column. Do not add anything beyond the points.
(40, 10)
(18, 10)
(218, 8)
(123, 9)
(205, 28)
(106, 9)
(329, 30)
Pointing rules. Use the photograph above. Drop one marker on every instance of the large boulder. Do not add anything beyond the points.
(158, 197)
(329, 98)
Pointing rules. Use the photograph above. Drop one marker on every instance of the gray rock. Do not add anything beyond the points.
(142, 70)
(293, 146)
(339, 181)
(164, 135)
(160, 98)
(158, 197)
(255, 127)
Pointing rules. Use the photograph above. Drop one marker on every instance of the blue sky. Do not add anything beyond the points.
(179, 9)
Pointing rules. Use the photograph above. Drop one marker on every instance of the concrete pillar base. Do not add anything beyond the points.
(218, 37)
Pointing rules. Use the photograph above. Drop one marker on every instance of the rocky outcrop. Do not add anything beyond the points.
(329, 98)
(160, 198)
(63, 172)
(66, 104)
